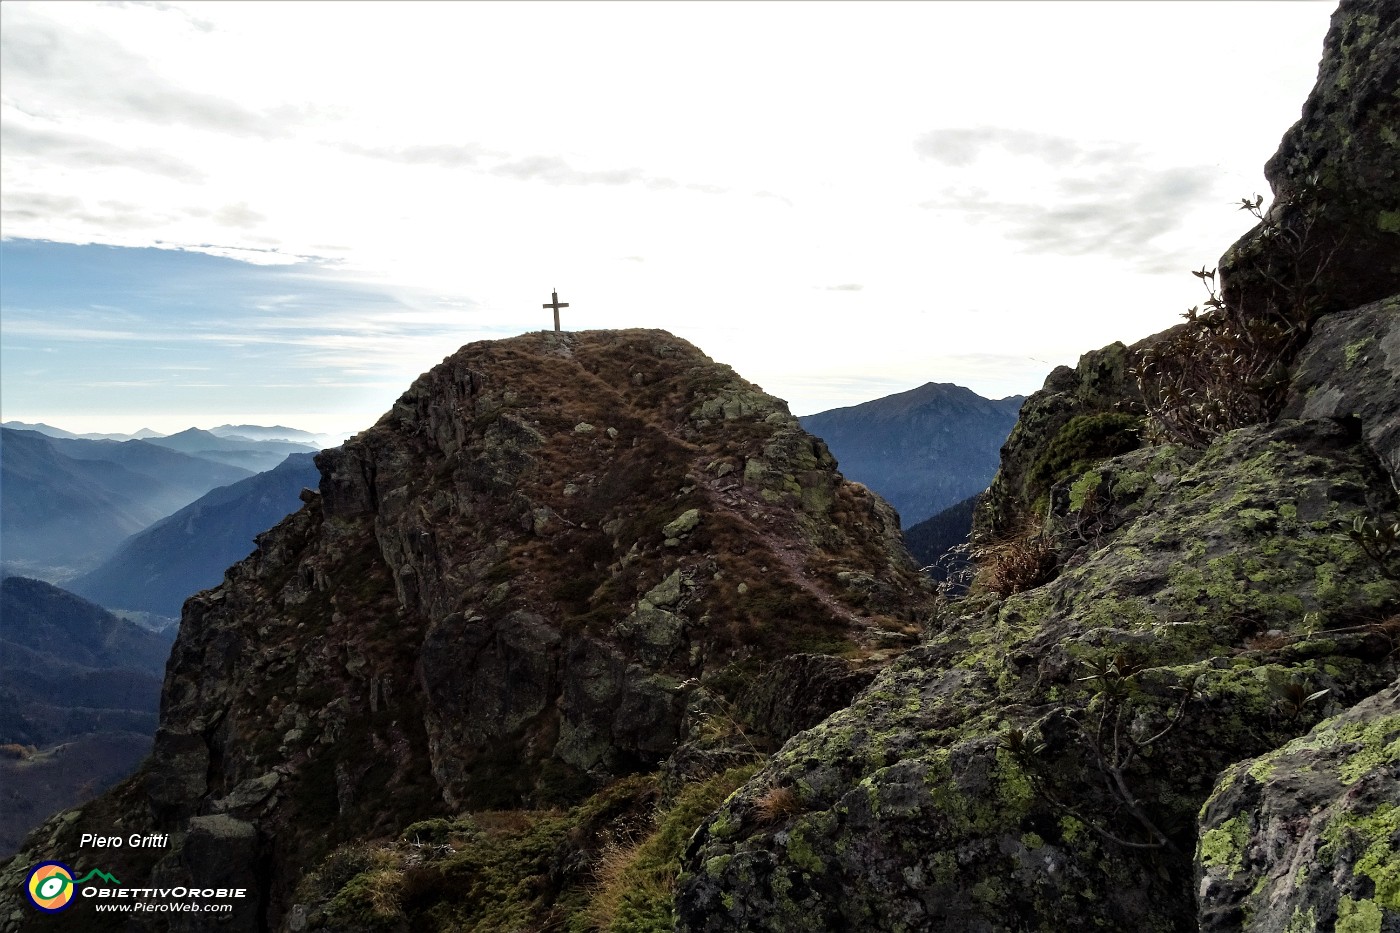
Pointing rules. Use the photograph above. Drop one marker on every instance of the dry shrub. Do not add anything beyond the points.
(1216, 374)
(1388, 629)
(1228, 366)
(1015, 563)
(15, 750)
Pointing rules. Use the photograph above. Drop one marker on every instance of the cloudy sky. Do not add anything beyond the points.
(283, 213)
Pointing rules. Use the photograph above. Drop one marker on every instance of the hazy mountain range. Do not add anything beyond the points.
(156, 569)
(67, 502)
(251, 432)
(255, 455)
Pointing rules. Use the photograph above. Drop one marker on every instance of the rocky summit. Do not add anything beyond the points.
(587, 634)
(560, 560)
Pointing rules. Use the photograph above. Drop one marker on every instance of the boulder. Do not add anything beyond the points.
(1307, 837)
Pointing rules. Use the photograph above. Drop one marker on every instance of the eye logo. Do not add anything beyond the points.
(50, 887)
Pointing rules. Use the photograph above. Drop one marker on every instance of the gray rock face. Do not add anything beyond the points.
(1337, 164)
(215, 852)
(797, 692)
(1351, 366)
(1307, 837)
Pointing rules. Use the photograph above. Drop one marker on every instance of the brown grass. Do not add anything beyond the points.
(1268, 641)
(611, 881)
(383, 892)
(776, 803)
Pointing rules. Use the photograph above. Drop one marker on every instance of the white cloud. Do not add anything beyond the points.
(823, 181)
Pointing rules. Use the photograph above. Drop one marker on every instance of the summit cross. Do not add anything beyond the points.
(556, 306)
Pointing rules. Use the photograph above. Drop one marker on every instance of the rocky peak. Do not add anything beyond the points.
(544, 568)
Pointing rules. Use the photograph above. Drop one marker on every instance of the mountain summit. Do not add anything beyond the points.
(556, 561)
(922, 450)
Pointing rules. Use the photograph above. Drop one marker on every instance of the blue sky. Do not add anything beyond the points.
(102, 332)
(283, 213)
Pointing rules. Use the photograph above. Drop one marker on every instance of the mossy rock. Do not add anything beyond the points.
(1083, 441)
(1311, 830)
(916, 815)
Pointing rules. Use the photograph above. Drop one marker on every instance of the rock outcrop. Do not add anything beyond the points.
(1351, 368)
(548, 567)
(1308, 836)
(1336, 187)
(1004, 775)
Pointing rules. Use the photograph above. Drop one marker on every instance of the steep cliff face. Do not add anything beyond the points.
(549, 566)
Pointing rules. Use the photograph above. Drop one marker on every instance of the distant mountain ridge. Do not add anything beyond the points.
(254, 455)
(157, 569)
(51, 431)
(922, 450)
(69, 502)
(930, 540)
(277, 432)
(242, 432)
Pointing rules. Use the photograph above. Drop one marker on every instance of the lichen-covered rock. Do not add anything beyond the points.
(1351, 366)
(1005, 776)
(1307, 837)
(1100, 385)
(1334, 177)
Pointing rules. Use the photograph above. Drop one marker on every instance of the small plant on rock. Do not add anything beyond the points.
(1228, 366)
(1295, 700)
(1380, 541)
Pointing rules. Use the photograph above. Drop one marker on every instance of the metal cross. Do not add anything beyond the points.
(556, 306)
